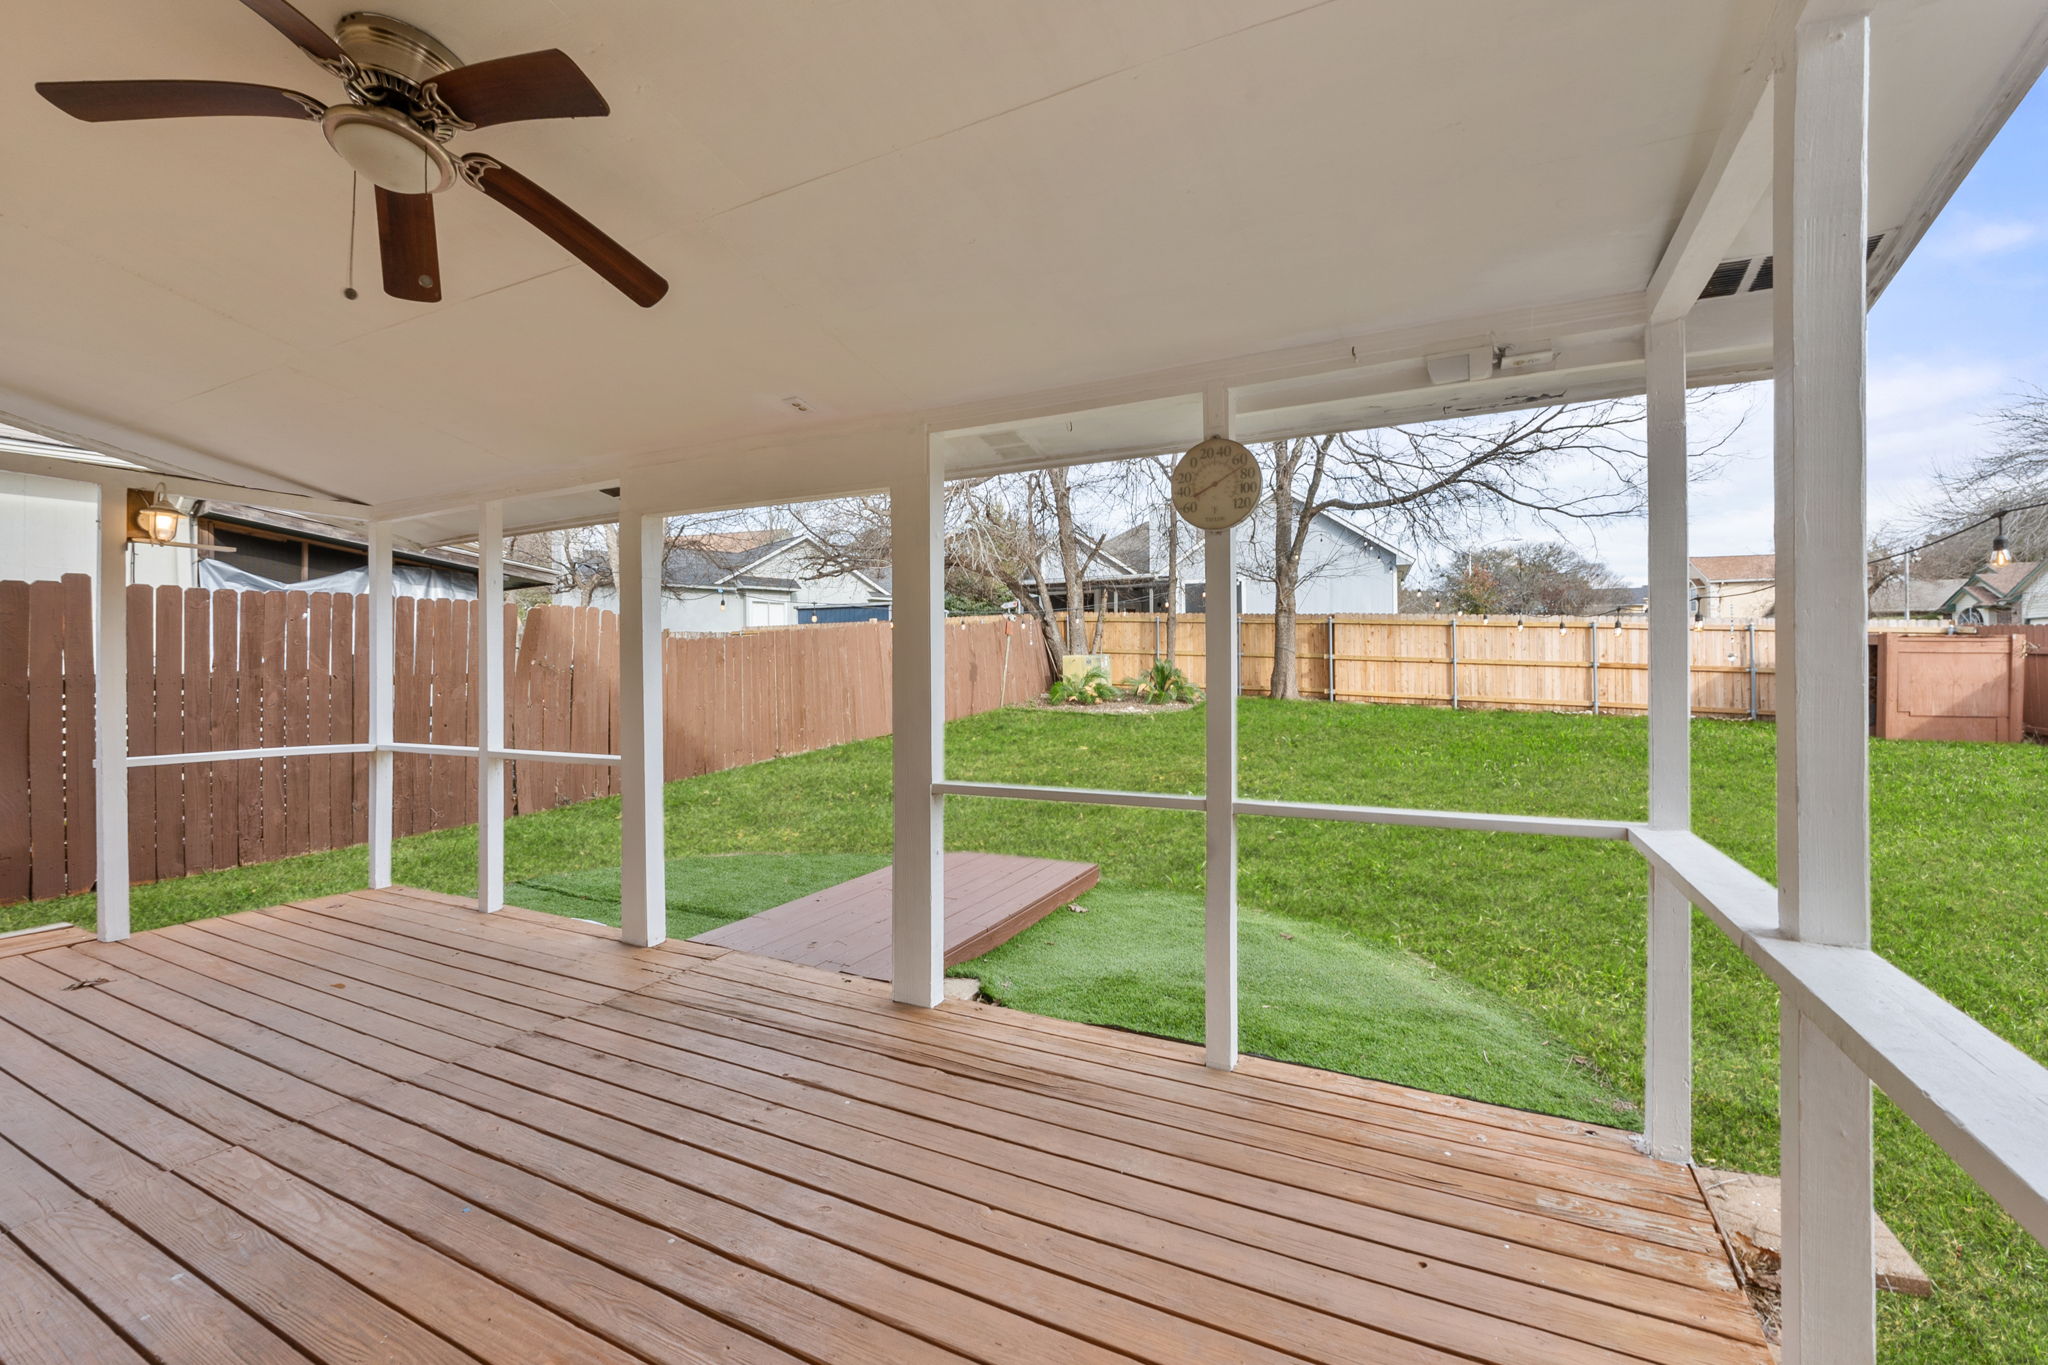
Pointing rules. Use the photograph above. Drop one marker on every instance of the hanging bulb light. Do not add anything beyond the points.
(2000, 555)
(1520, 624)
(721, 599)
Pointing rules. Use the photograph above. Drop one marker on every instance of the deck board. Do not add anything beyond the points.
(387, 1127)
(990, 899)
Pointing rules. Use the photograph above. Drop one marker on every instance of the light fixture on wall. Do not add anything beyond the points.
(156, 520)
(2000, 555)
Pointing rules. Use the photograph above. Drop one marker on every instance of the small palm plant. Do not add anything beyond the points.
(1090, 688)
(1163, 683)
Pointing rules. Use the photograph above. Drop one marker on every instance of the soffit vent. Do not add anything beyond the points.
(1729, 276)
(1008, 445)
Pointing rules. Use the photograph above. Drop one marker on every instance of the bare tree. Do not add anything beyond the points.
(1536, 578)
(1957, 523)
(1439, 482)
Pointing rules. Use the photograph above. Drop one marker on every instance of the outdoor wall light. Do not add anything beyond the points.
(157, 519)
(2000, 555)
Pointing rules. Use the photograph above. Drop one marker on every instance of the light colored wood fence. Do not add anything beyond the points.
(1536, 663)
(218, 670)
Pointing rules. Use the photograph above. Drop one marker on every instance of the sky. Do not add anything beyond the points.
(1957, 333)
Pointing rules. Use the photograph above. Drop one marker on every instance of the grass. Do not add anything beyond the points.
(1542, 935)
(1134, 960)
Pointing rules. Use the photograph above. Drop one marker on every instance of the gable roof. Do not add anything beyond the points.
(1735, 568)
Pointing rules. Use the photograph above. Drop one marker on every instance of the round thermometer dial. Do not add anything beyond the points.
(1216, 484)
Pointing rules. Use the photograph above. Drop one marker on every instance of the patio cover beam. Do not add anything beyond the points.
(1667, 1061)
(490, 707)
(1819, 201)
(110, 717)
(1219, 920)
(917, 925)
(382, 668)
(643, 890)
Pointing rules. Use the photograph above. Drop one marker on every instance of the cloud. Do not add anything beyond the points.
(1969, 237)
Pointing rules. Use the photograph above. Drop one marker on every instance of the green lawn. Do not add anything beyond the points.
(1535, 940)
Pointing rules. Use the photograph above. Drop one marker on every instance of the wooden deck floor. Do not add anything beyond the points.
(383, 1127)
(990, 899)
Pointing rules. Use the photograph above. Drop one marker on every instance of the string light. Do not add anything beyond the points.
(2000, 555)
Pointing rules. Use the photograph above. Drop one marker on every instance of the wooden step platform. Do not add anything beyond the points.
(990, 899)
(41, 936)
(385, 1127)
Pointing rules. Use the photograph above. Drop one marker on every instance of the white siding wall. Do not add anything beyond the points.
(49, 528)
(699, 614)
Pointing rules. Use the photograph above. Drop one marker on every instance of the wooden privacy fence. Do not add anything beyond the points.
(1536, 663)
(222, 670)
(2034, 708)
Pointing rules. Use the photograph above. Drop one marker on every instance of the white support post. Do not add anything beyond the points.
(490, 707)
(1667, 1060)
(917, 926)
(1219, 631)
(110, 718)
(643, 889)
(382, 668)
(1820, 293)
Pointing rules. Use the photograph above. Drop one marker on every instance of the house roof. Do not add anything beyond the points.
(1993, 587)
(1735, 568)
(933, 215)
(518, 574)
(1929, 594)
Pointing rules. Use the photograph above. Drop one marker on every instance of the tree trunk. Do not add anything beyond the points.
(1172, 586)
(1285, 680)
(1070, 557)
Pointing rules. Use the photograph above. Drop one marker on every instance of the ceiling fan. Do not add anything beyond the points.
(407, 96)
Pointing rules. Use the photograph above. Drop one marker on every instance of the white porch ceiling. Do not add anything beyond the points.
(888, 208)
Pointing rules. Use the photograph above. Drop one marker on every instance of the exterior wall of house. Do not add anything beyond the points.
(1739, 600)
(1339, 574)
(2033, 610)
(699, 613)
(50, 527)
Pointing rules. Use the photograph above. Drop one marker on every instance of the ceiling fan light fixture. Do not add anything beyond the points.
(387, 150)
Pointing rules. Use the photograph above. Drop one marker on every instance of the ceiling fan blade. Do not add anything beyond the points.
(509, 89)
(627, 273)
(112, 101)
(405, 241)
(314, 40)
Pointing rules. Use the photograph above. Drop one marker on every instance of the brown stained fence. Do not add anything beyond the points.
(2034, 706)
(1514, 663)
(218, 670)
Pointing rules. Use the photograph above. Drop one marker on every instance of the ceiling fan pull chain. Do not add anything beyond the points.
(348, 290)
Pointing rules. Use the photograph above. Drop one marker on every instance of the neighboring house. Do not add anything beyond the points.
(48, 528)
(1929, 597)
(1734, 587)
(741, 580)
(1344, 568)
(2014, 595)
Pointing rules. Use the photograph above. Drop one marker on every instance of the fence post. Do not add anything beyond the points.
(1593, 654)
(1454, 661)
(1752, 670)
(1330, 658)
